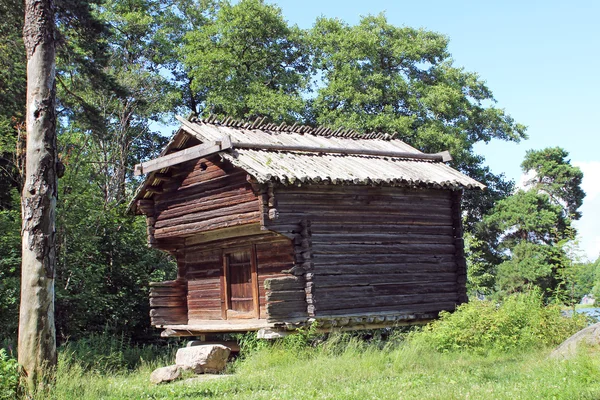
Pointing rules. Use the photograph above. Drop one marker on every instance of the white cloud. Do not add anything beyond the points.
(589, 224)
(591, 178)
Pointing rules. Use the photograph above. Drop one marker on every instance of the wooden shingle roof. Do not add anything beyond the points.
(300, 154)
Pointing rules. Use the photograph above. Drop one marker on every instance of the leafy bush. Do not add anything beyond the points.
(521, 322)
(9, 376)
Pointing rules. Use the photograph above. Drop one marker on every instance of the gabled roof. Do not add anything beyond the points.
(300, 154)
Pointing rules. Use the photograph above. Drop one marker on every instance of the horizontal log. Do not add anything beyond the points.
(365, 211)
(383, 249)
(357, 218)
(348, 227)
(167, 302)
(158, 321)
(234, 181)
(430, 269)
(197, 317)
(168, 312)
(381, 290)
(182, 199)
(434, 307)
(379, 238)
(397, 301)
(221, 222)
(166, 284)
(444, 156)
(167, 292)
(206, 304)
(286, 283)
(227, 233)
(358, 198)
(360, 190)
(345, 259)
(179, 157)
(207, 205)
(267, 238)
(286, 295)
(347, 280)
(284, 307)
(234, 209)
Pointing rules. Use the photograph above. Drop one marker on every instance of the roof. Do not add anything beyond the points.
(300, 154)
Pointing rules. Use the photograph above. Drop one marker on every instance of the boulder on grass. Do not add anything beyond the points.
(165, 374)
(589, 336)
(208, 358)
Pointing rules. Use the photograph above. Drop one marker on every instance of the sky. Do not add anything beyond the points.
(540, 59)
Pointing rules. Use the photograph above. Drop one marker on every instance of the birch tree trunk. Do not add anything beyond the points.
(37, 336)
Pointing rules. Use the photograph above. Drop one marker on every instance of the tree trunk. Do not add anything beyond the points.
(37, 337)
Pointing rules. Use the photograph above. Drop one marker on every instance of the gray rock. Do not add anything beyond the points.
(268, 333)
(208, 358)
(165, 374)
(589, 336)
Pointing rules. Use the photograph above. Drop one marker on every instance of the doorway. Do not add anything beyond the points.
(240, 284)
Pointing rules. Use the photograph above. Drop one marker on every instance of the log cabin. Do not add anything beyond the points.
(277, 227)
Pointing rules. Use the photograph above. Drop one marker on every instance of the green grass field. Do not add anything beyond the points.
(353, 370)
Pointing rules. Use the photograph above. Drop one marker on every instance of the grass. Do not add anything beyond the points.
(351, 369)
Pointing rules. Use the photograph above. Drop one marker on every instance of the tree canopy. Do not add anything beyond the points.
(123, 68)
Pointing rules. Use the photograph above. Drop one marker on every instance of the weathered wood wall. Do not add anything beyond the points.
(373, 249)
(202, 266)
(208, 195)
(168, 303)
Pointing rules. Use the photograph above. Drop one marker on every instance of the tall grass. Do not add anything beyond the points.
(385, 364)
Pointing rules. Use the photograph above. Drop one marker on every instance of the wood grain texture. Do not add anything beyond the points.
(370, 249)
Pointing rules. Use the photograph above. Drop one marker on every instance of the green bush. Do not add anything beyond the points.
(9, 376)
(521, 322)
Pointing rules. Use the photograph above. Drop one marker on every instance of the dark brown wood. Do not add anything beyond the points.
(179, 157)
(255, 291)
(444, 156)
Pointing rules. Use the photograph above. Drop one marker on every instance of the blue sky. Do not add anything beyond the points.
(540, 58)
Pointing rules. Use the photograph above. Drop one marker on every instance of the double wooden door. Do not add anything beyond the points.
(240, 284)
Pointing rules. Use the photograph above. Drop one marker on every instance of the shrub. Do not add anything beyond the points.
(9, 376)
(521, 322)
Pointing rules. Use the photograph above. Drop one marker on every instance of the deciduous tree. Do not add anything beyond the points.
(37, 338)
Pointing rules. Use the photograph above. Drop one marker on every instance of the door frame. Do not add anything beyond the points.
(225, 280)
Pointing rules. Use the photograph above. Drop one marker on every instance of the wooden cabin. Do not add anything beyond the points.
(277, 226)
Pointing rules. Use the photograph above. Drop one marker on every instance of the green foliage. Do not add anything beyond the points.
(555, 176)
(523, 240)
(520, 323)
(105, 353)
(249, 62)
(9, 376)
(10, 268)
(356, 371)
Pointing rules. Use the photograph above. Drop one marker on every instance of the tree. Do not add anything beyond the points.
(527, 233)
(249, 63)
(553, 174)
(37, 338)
(12, 96)
(384, 78)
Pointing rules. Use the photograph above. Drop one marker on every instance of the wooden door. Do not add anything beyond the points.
(241, 284)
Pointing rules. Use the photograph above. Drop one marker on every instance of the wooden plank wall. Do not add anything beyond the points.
(212, 195)
(375, 249)
(167, 303)
(202, 266)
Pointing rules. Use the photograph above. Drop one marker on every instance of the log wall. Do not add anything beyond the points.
(374, 249)
(201, 266)
(210, 195)
(168, 303)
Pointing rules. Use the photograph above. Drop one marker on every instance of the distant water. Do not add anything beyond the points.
(593, 312)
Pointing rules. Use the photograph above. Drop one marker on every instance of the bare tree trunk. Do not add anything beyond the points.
(37, 336)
